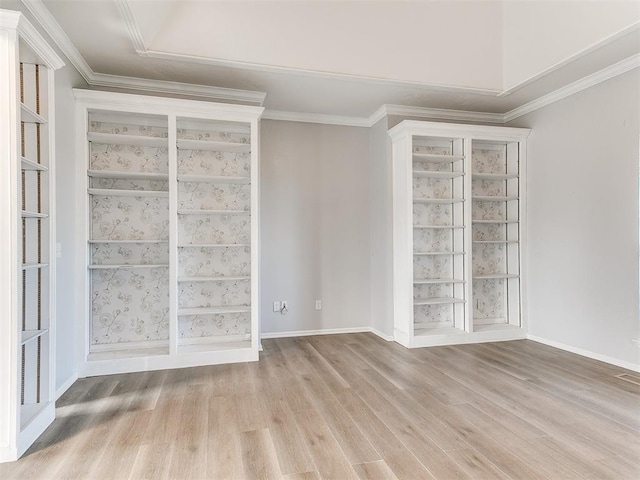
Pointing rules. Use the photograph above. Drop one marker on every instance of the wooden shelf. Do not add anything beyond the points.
(26, 214)
(434, 281)
(213, 245)
(105, 192)
(127, 241)
(438, 200)
(491, 276)
(127, 175)
(27, 115)
(28, 335)
(215, 146)
(29, 266)
(214, 179)
(438, 253)
(131, 266)
(436, 158)
(493, 176)
(487, 198)
(133, 140)
(213, 279)
(213, 310)
(437, 301)
(213, 212)
(450, 227)
(442, 175)
(27, 164)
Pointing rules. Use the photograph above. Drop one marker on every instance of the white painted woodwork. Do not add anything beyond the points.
(27, 234)
(438, 211)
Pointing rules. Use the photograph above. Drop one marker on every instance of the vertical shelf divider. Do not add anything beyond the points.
(468, 237)
(173, 233)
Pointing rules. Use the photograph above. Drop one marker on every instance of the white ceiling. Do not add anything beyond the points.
(350, 57)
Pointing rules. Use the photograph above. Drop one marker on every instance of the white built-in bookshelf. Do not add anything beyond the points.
(458, 223)
(27, 235)
(171, 228)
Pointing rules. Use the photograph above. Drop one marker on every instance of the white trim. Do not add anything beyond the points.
(586, 82)
(586, 353)
(53, 29)
(382, 335)
(436, 114)
(132, 26)
(570, 59)
(316, 118)
(66, 385)
(308, 333)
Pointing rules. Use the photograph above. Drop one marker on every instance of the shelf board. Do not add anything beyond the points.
(438, 200)
(489, 321)
(421, 330)
(26, 214)
(127, 241)
(123, 266)
(28, 266)
(213, 212)
(127, 175)
(493, 221)
(213, 346)
(436, 158)
(438, 226)
(486, 198)
(437, 301)
(216, 146)
(495, 327)
(491, 276)
(150, 351)
(213, 279)
(214, 179)
(213, 245)
(134, 140)
(438, 253)
(27, 115)
(443, 175)
(493, 176)
(434, 281)
(28, 335)
(495, 241)
(105, 192)
(31, 165)
(213, 310)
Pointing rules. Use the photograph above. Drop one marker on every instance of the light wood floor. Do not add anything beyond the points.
(351, 406)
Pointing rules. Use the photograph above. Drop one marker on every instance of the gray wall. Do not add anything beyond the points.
(583, 219)
(315, 242)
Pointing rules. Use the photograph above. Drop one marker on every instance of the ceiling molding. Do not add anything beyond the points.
(57, 34)
(583, 53)
(316, 118)
(437, 114)
(132, 26)
(589, 81)
(185, 89)
(53, 29)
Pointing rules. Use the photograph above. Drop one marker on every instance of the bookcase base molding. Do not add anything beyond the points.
(459, 207)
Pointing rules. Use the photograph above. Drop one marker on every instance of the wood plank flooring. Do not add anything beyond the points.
(351, 407)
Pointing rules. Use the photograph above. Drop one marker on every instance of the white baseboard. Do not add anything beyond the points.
(66, 385)
(327, 331)
(586, 353)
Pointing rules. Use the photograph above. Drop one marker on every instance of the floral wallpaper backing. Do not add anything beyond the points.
(129, 305)
(433, 214)
(129, 253)
(489, 258)
(432, 267)
(213, 261)
(212, 196)
(433, 240)
(489, 301)
(217, 325)
(429, 316)
(208, 229)
(208, 162)
(488, 161)
(129, 218)
(214, 294)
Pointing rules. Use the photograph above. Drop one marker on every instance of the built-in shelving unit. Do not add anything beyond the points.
(171, 232)
(27, 235)
(458, 223)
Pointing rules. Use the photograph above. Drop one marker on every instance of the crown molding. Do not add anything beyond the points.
(53, 29)
(132, 26)
(316, 118)
(57, 34)
(178, 88)
(436, 114)
(600, 76)
(583, 53)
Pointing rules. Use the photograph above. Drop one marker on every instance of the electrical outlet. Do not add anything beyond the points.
(318, 304)
(276, 306)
